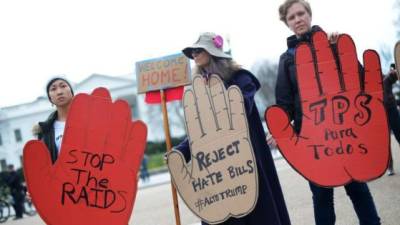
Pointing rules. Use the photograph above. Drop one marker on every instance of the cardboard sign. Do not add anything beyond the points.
(397, 57)
(162, 73)
(171, 94)
(94, 180)
(344, 134)
(221, 180)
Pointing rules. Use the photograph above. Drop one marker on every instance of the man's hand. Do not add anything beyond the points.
(344, 134)
(94, 179)
(271, 141)
(333, 37)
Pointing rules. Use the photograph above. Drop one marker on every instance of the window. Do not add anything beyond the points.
(135, 111)
(131, 99)
(18, 136)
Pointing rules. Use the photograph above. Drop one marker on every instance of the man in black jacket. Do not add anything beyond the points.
(17, 191)
(391, 108)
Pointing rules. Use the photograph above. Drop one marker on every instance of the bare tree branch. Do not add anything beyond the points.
(266, 72)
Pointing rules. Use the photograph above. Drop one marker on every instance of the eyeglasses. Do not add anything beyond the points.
(197, 51)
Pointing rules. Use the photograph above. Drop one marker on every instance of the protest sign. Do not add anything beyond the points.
(344, 132)
(162, 73)
(94, 180)
(221, 181)
(163, 80)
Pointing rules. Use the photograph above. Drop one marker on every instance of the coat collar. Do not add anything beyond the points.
(293, 41)
(48, 124)
(244, 71)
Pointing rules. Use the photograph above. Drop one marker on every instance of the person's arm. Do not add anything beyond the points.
(248, 88)
(184, 148)
(283, 90)
(398, 102)
(333, 37)
(388, 81)
(392, 77)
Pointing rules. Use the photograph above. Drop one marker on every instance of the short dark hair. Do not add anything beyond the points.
(393, 66)
(54, 80)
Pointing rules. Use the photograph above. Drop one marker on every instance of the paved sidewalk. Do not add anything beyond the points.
(155, 180)
(154, 202)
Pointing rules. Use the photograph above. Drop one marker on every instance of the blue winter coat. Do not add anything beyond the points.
(271, 208)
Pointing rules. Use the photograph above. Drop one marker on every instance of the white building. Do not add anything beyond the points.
(16, 121)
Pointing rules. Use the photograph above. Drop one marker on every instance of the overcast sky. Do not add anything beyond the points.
(43, 38)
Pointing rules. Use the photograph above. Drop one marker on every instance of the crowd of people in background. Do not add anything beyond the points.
(13, 190)
(392, 109)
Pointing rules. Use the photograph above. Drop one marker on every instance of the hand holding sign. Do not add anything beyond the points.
(344, 134)
(94, 180)
(221, 180)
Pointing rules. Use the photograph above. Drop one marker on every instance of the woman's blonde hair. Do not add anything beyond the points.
(220, 66)
(283, 9)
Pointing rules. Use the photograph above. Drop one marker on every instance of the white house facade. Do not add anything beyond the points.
(16, 121)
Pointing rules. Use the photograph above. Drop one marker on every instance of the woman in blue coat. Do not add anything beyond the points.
(210, 59)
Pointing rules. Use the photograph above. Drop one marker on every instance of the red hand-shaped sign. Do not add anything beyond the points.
(344, 134)
(94, 180)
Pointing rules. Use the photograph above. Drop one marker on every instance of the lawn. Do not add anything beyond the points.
(156, 162)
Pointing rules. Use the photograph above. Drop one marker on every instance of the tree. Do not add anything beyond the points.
(386, 56)
(175, 117)
(386, 51)
(176, 108)
(267, 73)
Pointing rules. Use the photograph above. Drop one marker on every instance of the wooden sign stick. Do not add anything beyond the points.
(169, 146)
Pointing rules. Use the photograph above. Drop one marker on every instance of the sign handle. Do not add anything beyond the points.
(397, 58)
(169, 146)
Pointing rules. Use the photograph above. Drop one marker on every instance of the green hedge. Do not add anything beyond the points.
(156, 161)
(160, 147)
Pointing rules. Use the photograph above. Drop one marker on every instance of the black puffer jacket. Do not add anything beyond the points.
(286, 90)
(388, 97)
(46, 134)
